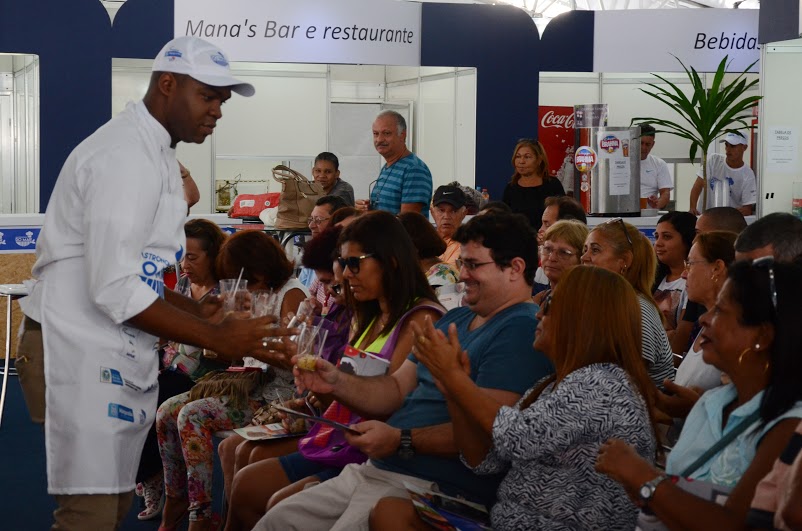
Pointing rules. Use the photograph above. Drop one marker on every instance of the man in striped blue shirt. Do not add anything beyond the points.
(405, 182)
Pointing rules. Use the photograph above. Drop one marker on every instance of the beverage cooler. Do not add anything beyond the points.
(607, 170)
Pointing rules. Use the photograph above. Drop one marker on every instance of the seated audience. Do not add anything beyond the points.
(222, 401)
(673, 239)
(319, 219)
(326, 173)
(560, 252)
(182, 364)
(727, 219)
(319, 256)
(497, 207)
(547, 443)
(389, 294)
(344, 216)
(448, 211)
(621, 248)
(557, 208)
(474, 200)
(429, 247)
(778, 234)
(416, 445)
(752, 333)
(778, 496)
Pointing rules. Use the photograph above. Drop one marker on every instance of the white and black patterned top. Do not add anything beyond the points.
(550, 449)
(656, 349)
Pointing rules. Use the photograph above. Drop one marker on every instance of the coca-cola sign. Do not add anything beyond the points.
(552, 119)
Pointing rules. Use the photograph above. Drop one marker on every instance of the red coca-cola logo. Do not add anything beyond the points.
(552, 119)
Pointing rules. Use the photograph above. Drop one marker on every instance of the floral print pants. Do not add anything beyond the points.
(184, 430)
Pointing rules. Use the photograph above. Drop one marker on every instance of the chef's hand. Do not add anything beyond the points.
(377, 439)
(278, 352)
(237, 337)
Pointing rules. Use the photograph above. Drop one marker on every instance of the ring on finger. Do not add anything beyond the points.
(264, 343)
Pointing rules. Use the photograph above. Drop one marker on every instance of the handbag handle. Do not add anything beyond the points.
(282, 173)
(722, 443)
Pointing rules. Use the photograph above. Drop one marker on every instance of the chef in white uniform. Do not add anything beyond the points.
(114, 222)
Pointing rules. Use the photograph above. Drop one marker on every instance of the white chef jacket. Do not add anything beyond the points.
(114, 221)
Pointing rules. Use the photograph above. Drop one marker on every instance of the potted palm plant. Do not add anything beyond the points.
(707, 113)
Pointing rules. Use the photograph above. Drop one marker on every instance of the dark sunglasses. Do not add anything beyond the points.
(623, 226)
(768, 263)
(352, 262)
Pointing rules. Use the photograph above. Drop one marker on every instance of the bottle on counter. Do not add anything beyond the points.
(485, 194)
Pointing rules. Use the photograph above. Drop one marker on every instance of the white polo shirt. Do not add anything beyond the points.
(654, 176)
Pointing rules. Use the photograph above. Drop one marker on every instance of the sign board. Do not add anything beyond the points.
(646, 40)
(556, 133)
(313, 31)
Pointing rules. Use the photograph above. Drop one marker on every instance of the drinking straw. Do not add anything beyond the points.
(236, 286)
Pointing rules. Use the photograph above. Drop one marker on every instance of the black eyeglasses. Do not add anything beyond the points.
(768, 263)
(623, 228)
(336, 288)
(471, 266)
(352, 262)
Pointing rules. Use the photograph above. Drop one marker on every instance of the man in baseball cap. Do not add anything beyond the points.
(448, 211)
(733, 173)
(114, 222)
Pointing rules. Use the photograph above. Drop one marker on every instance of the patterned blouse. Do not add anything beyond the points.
(550, 451)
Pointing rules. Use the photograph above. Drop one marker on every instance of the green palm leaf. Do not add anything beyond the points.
(708, 113)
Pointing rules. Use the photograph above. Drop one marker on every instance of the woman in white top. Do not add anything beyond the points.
(673, 240)
(621, 248)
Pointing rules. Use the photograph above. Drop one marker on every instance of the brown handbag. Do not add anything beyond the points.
(298, 197)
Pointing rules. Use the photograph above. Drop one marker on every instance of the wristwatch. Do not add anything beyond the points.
(646, 491)
(405, 449)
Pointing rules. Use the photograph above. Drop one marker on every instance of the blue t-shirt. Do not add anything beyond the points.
(408, 180)
(502, 358)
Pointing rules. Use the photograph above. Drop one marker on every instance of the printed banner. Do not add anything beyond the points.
(18, 239)
(556, 133)
(375, 32)
(646, 40)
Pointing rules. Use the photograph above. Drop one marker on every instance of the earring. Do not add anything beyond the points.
(714, 279)
(624, 269)
(757, 346)
(743, 353)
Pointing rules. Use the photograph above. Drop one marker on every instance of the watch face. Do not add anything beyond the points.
(646, 492)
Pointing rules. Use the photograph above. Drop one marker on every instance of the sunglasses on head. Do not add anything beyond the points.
(623, 225)
(353, 262)
(768, 263)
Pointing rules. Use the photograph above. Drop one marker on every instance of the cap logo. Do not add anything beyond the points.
(172, 54)
(219, 59)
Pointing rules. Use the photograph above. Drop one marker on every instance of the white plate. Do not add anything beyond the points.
(13, 289)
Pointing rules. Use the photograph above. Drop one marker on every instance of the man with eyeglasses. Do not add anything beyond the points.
(495, 326)
(318, 221)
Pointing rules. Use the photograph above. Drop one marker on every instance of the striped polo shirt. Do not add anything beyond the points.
(408, 180)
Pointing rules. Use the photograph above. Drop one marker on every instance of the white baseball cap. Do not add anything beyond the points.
(734, 139)
(200, 60)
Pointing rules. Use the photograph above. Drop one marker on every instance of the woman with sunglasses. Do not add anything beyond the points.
(531, 182)
(734, 433)
(388, 291)
(621, 248)
(562, 247)
(547, 443)
(673, 239)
